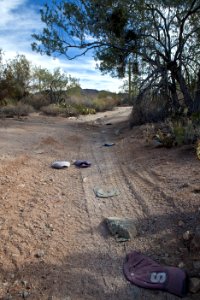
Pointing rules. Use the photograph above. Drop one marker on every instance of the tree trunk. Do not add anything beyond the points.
(197, 95)
(129, 82)
(177, 74)
(174, 96)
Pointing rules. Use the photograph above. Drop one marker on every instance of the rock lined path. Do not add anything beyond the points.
(54, 244)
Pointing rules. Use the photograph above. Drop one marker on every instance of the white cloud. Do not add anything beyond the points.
(18, 21)
(15, 15)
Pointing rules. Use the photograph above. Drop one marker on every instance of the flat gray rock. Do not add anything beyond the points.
(60, 164)
(106, 193)
(123, 229)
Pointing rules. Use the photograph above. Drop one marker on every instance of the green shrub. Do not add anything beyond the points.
(56, 110)
(74, 91)
(195, 117)
(84, 110)
(184, 131)
(70, 111)
(8, 101)
(103, 104)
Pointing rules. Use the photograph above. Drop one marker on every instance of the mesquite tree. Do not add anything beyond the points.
(161, 38)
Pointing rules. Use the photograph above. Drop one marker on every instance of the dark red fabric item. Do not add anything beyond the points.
(144, 272)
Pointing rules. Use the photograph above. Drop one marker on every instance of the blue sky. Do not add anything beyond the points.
(19, 19)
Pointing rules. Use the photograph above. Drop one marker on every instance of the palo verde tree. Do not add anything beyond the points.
(15, 77)
(162, 36)
(53, 83)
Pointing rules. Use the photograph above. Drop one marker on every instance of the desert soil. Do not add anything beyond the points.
(53, 242)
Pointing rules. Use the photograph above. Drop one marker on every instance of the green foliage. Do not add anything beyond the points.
(16, 77)
(57, 110)
(179, 133)
(67, 110)
(92, 100)
(195, 117)
(74, 91)
(184, 131)
(160, 37)
(55, 83)
(174, 132)
(78, 102)
(81, 108)
(103, 104)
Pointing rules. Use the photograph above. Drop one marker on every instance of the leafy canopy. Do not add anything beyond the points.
(160, 37)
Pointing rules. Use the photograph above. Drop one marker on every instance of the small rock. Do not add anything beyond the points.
(123, 229)
(156, 144)
(39, 254)
(25, 283)
(25, 294)
(181, 223)
(21, 185)
(50, 226)
(181, 265)
(194, 285)
(187, 235)
(60, 164)
(39, 151)
(84, 179)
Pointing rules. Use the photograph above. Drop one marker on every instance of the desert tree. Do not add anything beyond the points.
(54, 83)
(160, 37)
(16, 77)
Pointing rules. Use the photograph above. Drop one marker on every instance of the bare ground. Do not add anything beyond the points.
(53, 244)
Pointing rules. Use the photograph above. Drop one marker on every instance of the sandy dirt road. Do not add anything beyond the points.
(53, 244)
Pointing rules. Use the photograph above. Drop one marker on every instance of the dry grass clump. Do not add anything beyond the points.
(147, 109)
(57, 110)
(19, 110)
(37, 100)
